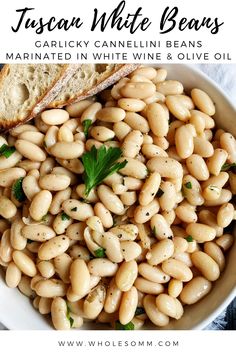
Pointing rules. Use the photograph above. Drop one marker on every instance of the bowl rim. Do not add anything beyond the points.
(229, 101)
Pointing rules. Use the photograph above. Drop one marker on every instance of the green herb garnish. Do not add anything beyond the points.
(86, 125)
(154, 231)
(188, 185)
(228, 166)
(6, 150)
(121, 327)
(29, 241)
(17, 190)
(74, 209)
(45, 218)
(68, 316)
(159, 193)
(64, 217)
(139, 311)
(100, 253)
(189, 238)
(99, 164)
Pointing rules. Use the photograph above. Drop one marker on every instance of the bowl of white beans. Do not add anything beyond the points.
(117, 212)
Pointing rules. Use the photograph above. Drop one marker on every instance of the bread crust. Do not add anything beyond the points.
(105, 81)
(67, 72)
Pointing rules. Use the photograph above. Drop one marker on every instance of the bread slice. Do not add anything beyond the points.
(88, 80)
(26, 89)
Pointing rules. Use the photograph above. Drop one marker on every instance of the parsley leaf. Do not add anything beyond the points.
(6, 150)
(139, 311)
(68, 316)
(188, 185)
(18, 190)
(228, 166)
(100, 253)
(86, 125)
(121, 327)
(189, 238)
(45, 218)
(99, 164)
(64, 217)
(159, 193)
(73, 209)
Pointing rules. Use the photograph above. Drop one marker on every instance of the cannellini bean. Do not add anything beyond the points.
(126, 232)
(132, 144)
(146, 71)
(225, 241)
(126, 275)
(30, 186)
(186, 212)
(175, 287)
(177, 108)
(136, 121)
(134, 168)
(40, 205)
(110, 200)
(202, 147)
(113, 298)
(200, 232)
(128, 305)
(177, 269)
(214, 251)
(77, 210)
(170, 87)
(24, 263)
(13, 275)
(65, 134)
(165, 166)
(138, 90)
(155, 316)
(153, 273)
(67, 150)
(121, 129)
(225, 215)
(195, 290)
(160, 227)
(184, 142)
(8, 176)
(54, 182)
(53, 247)
(131, 104)
(160, 251)
(104, 215)
(111, 114)
(203, 101)
(112, 246)
(144, 213)
(36, 138)
(207, 266)
(77, 108)
(62, 265)
(44, 305)
(148, 287)
(102, 133)
(58, 199)
(30, 150)
(192, 190)
(46, 269)
(5, 247)
(170, 306)
(24, 287)
(51, 137)
(55, 116)
(197, 167)
(232, 182)
(149, 189)
(93, 303)
(130, 250)
(79, 270)
(18, 241)
(102, 267)
(39, 233)
(209, 218)
(225, 197)
(157, 119)
(11, 161)
(168, 198)
(59, 314)
(216, 161)
(151, 150)
(7, 208)
(228, 143)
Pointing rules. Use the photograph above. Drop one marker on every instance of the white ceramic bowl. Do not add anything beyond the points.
(16, 311)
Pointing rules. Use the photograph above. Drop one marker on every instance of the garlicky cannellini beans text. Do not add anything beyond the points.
(146, 241)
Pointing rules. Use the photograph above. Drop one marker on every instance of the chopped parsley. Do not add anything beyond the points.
(99, 164)
(228, 166)
(29, 241)
(188, 185)
(64, 217)
(100, 253)
(159, 193)
(189, 238)
(139, 311)
(86, 125)
(45, 218)
(6, 150)
(18, 191)
(68, 316)
(121, 327)
(154, 231)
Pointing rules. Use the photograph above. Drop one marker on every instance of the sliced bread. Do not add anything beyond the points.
(90, 79)
(26, 89)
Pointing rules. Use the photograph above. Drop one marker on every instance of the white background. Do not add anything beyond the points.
(23, 41)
